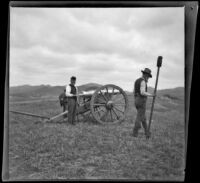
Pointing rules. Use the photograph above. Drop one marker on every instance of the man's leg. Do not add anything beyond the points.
(137, 122)
(144, 121)
(74, 111)
(70, 110)
(144, 124)
(140, 104)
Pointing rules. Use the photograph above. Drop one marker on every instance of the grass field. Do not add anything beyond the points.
(92, 151)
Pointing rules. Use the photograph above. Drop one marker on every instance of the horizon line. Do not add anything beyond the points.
(86, 84)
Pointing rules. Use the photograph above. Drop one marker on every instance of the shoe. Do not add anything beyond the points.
(134, 134)
(148, 135)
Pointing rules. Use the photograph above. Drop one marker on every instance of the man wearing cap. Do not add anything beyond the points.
(141, 94)
(72, 93)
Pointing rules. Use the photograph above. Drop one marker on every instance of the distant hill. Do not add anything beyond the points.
(177, 93)
(35, 91)
(174, 93)
(44, 91)
(89, 86)
(47, 91)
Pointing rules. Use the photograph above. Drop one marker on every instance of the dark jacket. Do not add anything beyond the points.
(137, 87)
(73, 91)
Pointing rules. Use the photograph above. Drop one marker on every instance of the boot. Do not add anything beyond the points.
(135, 133)
(147, 134)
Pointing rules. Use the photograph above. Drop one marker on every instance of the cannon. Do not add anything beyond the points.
(107, 104)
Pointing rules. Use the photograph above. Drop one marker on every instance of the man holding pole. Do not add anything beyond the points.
(141, 94)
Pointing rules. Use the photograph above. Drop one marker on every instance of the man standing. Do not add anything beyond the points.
(72, 93)
(141, 94)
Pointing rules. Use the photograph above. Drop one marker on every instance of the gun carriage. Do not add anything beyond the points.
(108, 104)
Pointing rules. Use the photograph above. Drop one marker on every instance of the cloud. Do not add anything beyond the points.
(106, 45)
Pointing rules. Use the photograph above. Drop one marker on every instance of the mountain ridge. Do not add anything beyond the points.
(34, 91)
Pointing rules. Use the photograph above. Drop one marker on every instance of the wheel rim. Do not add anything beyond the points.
(109, 104)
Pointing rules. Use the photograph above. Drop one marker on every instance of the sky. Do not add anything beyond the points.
(97, 45)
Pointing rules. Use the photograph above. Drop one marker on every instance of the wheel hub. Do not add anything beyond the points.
(109, 104)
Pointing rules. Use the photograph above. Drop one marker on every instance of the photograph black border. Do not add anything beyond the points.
(191, 8)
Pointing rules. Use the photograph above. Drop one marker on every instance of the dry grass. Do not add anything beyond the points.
(92, 151)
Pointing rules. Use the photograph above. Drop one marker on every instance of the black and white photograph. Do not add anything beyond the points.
(97, 93)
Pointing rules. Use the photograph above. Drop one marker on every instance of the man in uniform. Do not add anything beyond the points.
(141, 94)
(72, 93)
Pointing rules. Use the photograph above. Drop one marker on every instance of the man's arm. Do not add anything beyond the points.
(68, 90)
(142, 90)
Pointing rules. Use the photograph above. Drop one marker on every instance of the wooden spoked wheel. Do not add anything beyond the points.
(109, 104)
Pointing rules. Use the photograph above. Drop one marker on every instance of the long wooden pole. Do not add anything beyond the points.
(58, 117)
(52, 119)
(159, 63)
(29, 114)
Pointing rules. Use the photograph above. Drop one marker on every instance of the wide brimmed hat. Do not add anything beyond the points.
(147, 71)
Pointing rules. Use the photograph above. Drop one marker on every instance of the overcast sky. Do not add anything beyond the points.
(98, 45)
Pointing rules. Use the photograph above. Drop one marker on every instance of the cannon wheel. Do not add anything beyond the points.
(109, 104)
